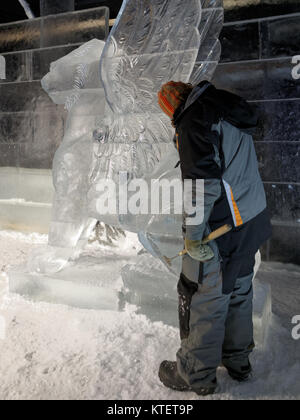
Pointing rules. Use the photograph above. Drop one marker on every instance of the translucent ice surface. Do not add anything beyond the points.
(85, 285)
(25, 199)
(2, 67)
(27, 9)
(151, 43)
(115, 123)
(73, 81)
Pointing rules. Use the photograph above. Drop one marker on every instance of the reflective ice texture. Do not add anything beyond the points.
(148, 46)
(48, 31)
(51, 7)
(2, 67)
(73, 81)
(27, 9)
(25, 199)
(124, 129)
(151, 43)
(210, 48)
(85, 285)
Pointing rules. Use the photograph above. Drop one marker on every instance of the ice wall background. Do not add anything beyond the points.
(31, 126)
(256, 63)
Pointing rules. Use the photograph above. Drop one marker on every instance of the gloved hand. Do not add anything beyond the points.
(198, 251)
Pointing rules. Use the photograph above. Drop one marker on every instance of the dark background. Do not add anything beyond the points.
(11, 10)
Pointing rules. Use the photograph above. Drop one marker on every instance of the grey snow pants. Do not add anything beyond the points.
(214, 327)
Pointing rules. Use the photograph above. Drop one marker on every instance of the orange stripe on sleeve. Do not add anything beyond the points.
(239, 220)
(177, 141)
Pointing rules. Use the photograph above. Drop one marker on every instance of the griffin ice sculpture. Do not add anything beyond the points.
(114, 122)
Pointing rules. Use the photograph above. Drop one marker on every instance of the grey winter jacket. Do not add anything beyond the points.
(215, 145)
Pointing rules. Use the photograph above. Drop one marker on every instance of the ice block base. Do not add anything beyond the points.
(84, 285)
(107, 283)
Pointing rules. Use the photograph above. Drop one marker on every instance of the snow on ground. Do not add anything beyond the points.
(56, 352)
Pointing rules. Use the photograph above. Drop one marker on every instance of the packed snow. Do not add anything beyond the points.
(57, 352)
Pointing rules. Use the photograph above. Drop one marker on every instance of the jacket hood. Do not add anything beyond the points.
(227, 105)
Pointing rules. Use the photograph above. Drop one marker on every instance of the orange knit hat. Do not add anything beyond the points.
(172, 95)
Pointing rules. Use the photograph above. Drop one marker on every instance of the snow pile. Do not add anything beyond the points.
(15, 247)
(56, 352)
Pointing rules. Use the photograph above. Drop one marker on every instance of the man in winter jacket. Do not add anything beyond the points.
(215, 287)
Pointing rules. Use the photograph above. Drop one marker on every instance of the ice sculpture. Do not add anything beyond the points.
(151, 43)
(2, 67)
(73, 81)
(114, 124)
(27, 9)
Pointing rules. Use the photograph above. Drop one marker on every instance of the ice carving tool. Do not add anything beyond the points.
(211, 237)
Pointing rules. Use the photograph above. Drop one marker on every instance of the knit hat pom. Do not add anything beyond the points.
(172, 95)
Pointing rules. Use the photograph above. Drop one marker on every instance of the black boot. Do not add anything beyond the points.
(169, 376)
(242, 374)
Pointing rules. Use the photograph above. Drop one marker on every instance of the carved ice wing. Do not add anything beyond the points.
(210, 49)
(152, 42)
